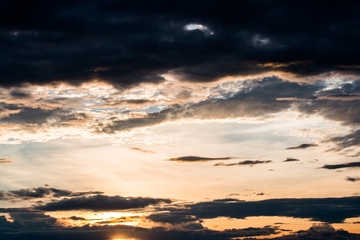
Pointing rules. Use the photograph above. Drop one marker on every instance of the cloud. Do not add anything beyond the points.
(39, 116)
(41, 192)
(244, 163)
(342, 165)
(347, 141)
(346, 112)
(353, 179)
(20, 94)
(134, 42)
(97, 232)
(100, 203)
(333, 210)
(197, 159)
(303, 146)
(322, 231)
(142, 150)
(291, 160)
(75, 218)
(256, 99)
(4, 161)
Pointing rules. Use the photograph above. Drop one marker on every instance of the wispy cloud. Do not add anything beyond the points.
(303, 146)
(244, 163)
(342, 165)
(142, 150)
(291, 160)
(41, 192)
(353, 179)
(4, 161)
(198, 159)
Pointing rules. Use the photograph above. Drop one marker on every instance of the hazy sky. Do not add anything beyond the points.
(179, 120)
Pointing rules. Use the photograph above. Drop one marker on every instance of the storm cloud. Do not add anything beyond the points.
(129, 42)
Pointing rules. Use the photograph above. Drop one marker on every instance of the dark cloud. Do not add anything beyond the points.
(303, 146)
(244, 163)
(325, 105)
(100, 203)
(30, 116)
(291, 160)
(100, 232)
(172, 218)
(317, 209)
(32, 225)
(39, 116)
(41, 192)
(197, 159)
(342, 165)
(321, 231)
(20, 94)
(129, 42)
(353, 179)
(346, 112)
(75, 218)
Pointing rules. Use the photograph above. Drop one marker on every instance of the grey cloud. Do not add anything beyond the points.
(41, 192)
(346, 112)
(303, 146)
(347, 141)
(39, 116)
(75, 218)
(20, 94)
(197, 159)
(258, 99)
(317, 209)
(291, 160)
(353, 179)
(244, 163)
(342, 165)
(195, 232)
(320, 232)
(100, 203)
(172, 218)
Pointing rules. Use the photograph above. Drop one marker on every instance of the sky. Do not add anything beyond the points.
(148, 120)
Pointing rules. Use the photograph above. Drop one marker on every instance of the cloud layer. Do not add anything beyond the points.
(137, 41)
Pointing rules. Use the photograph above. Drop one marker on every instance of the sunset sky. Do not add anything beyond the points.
(146, 120)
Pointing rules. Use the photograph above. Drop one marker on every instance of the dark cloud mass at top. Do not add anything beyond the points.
(127, 42)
